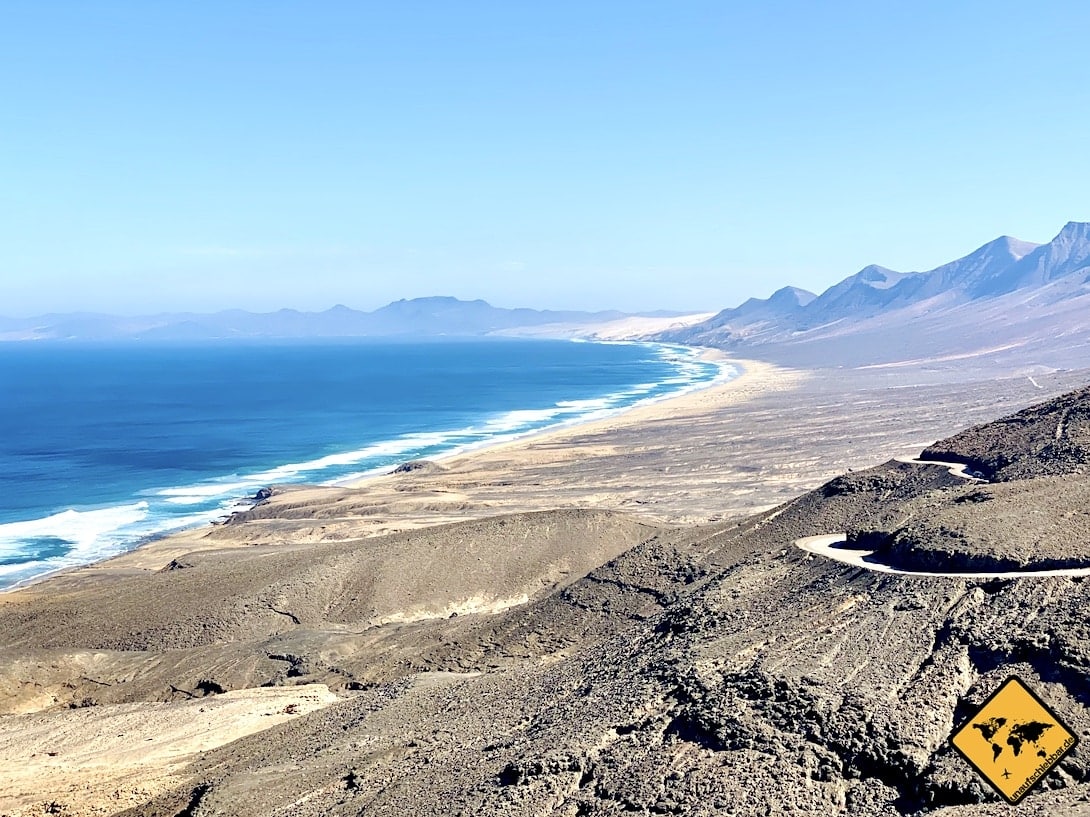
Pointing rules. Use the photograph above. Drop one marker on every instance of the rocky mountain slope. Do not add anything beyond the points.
(649, 670)
(1007, 300)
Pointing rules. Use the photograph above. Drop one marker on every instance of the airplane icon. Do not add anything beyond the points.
(1006, 773)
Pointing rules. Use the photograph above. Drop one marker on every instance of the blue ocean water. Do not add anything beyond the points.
(104, 446)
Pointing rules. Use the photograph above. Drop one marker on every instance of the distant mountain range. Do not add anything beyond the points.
(1007, 300)
(417, 317)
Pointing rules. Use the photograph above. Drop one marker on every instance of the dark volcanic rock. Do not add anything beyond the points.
(1046, 439)
(1033, 524)
(864, 482)
(417, 466)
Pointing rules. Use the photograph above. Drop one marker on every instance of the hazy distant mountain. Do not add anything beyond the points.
(757, 313)
(1008, 298)
(449, 316)
(875, 289)
(417, 317)
(868, 291)
(781, 303)
(1006, 301)
(974, 273)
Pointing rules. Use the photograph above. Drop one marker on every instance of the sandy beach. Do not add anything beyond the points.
(731, 449)
(467, 485)
(466, 552)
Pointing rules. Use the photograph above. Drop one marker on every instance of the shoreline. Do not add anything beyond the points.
(700, 398)
(457, 652)
(708, 354)
(724, 451)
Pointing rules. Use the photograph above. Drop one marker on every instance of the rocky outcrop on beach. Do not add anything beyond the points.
(418, 467)
(581, 662)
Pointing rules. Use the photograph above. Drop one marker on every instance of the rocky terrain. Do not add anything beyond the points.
(1032, 513)
(1048, 439)
(584, 662)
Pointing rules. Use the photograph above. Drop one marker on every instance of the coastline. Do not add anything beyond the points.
(648, 409)
(152, 553)
(384, 636)
(729, 450)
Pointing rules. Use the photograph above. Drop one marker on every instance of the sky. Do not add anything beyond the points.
(632, 155)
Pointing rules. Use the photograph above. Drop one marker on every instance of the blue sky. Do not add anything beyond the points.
(637, 155)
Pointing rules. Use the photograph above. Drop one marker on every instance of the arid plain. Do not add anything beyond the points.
(530, 628)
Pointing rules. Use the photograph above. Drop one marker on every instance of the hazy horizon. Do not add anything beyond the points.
(320, 309)
(632, 157)
(1026, 246)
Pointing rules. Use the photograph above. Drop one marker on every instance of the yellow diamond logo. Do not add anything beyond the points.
(1013, 740)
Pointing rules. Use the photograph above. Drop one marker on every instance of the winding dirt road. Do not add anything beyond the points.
(835, 545)
(955, 468)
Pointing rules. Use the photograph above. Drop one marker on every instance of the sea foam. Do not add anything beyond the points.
(81, 535)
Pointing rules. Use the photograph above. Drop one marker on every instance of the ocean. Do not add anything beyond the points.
(105, 446)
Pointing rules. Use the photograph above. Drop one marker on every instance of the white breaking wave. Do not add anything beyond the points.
(196, 494)
(96, 534)
(80, 528)
(90, 535)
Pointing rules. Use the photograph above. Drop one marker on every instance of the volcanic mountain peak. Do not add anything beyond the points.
(877, 277)
(1016, 247)
(1024, 300)
(789, 295)
(1067, 253)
